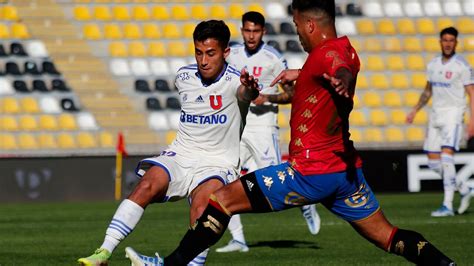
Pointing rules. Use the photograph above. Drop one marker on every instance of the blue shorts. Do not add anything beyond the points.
(346, 194)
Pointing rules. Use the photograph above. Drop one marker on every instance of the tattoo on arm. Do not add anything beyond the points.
(424, 97)
(284, 97)
(346, 78)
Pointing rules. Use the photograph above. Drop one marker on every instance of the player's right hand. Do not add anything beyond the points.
(248, 80)
(286, 76)
(411, 117)
(261, 99)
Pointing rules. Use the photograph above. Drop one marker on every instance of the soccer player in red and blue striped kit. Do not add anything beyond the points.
(323, 166)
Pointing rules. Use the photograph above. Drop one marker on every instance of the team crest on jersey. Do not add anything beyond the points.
(448, 74)
(257, 71)
(215, 101)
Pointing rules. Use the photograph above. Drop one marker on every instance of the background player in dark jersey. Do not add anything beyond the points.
(323, 165)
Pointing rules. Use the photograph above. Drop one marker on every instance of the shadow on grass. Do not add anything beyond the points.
(285, 244)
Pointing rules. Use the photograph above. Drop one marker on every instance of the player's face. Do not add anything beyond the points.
(301, 30)
(210, 58)
(448, 44)
(252, 34)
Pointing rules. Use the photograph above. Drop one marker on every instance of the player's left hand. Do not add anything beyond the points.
(261, 99)
(248, 80)
(339, 85)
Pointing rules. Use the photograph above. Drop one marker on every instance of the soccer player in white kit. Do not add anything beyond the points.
(205, 154)
(260, 146)
(449, 78)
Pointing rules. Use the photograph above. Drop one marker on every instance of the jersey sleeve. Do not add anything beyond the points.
(429, 71)
(329, 61)
(467, 75)
(280, 65)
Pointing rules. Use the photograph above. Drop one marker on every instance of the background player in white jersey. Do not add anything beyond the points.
(449, 78)
(205, 153)
(259, 146)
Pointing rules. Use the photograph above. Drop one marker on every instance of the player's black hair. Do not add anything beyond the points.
(214, 29)
(449, 30)
(254, 17)
(328, 7)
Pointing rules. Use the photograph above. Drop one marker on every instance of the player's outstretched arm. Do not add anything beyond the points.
(287, 76)
(470, 126)
(342, 82)
(424, 98)
(281, 98)
(248, 91)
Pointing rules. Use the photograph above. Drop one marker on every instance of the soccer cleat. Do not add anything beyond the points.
(465, 201)
(232, 246)
(312, 218)
(138, 259)
(100, 257)
(443, 211)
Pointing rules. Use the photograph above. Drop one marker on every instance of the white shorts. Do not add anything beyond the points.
(445, 130)
(185, 173)
(259, 148)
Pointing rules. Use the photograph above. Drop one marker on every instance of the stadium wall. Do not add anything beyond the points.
(92, 178)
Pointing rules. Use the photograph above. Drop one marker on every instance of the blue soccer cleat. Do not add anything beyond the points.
(443, 211)
(138, 259)
(312, 218)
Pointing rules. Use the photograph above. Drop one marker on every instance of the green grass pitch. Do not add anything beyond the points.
(60, 233)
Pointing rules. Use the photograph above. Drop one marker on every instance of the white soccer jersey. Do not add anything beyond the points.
(265, 65)
(448, 81)
(210, 119)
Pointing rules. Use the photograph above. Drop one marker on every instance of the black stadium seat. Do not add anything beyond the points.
(20, 86)
(293, 46)
(49, 68)
(275, 45)
(287, 29)
(68, 105)
(59, 85)
(173, 103)
(31, 68)
(353, 10)
(153, 104)
(3, 53)
(11, 68)
(39, 85)
(142, 85)
(161, 85)
(17, 49)
(270, 29)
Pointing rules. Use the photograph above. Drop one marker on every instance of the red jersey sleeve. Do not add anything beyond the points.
(333, 60)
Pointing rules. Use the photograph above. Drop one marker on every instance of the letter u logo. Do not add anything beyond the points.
(257, 71)
(215, 101)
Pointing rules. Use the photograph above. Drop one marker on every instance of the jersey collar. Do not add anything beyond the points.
(209, 83)
(249, 54)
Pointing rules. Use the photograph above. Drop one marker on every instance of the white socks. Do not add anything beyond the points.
(124, 221)
(435, 165)
(200, 260)
(236, 228)
(449, 179)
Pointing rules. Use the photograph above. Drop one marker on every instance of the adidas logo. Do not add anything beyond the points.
(249, 185)
(199, 99)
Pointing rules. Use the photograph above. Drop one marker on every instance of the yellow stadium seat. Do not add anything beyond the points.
(283, 121)
(10, 13)
(27, 141)
(48, 122)
(421, 117)
(398, 116)
(157, 49)
(188, 29)
(375, 63)
(373, 45)
(120, 12)
(285, 136)
(234, 30)
(386, 26)
(357, 45)
(151, 31)
(425, 26)
(9, 105)
(418, 80)
(118, 49)
(412, 44)
(177, 48)
(19, 31)
(82, 13)
(47, 141)
(170, 136)
(191, 49)
(371, 99)
(411, 98)
(399, 81)
(8, 123)
(112, 31)
(443, 23)
(362, 82)
(394, 134)
(171, 30)
(356, 101)
(356, 135)
(415, 62)
(160, 12)
(431, 44)
(137, 49)
(199, 12)
(218, 11)
(378, 117)
(86, 140)
(132, 31)
(374, 134)
(66, 141)
(140, 13)
(415, 134)
(106, 140)
(392, 99)
(4, 31)
(470, 59)
(392, 44)
(179, 12)
(379, 81)
(395, 62)
(256, 7)
(102, 13)
(8, 142)
(236, 10)
(92, 32)
(28, 123)
(365, 26)
(29, 105)
(406, 26)
(468, 44)
(67, 122)
(465, 25)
